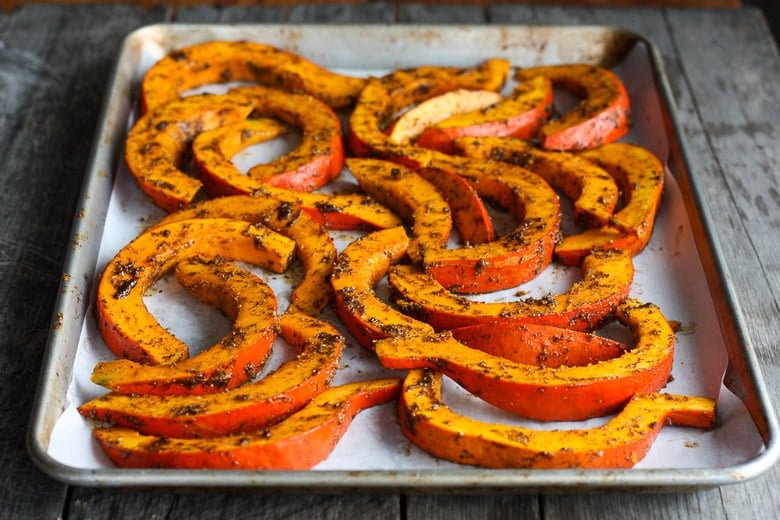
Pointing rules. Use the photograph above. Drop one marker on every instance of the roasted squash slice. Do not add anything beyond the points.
(125, 323)
(412, 197)
(226, 61)
(573, 249)
(602, 116)
(245, 299)
(563, 393)
(606, 281)
(157, 143)
(317, 159)
(515, 257)
(408, 127)
(519, 115)
(620, 443)
(245, 409)
(540, 345)
(593, 190)
(358, 269)
(383, 98)
(297, 443)
(640, 176)
(313, 245)
(367, 139)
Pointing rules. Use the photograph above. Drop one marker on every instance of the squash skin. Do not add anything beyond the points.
(410, 196)
(539, 345)
(606, 281)
(223, 61)
(564, 393)
(602, 116)
(299, 442)
(158, 141)
(312, 164)
(520, 115)
(358, 269)
(517, 256)
(621, 443)
(244, 409)
(125, 323)
(245, 299)
(592, 189)
(313, 245)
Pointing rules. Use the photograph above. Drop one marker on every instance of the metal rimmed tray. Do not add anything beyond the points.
(679, 271)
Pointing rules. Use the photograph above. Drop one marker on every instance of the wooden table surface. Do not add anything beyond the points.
(54, 62)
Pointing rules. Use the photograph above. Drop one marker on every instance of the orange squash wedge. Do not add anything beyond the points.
(410, 196)
(620, 443)
(573, 249)
(358, 269)
(539, 345)
(593, 190)
(239, 356)
(640, 176)
(299, 442)
(408, 127)
(318, 158)
(382, 98)
(228, 61)
(602, 115)
(563, 393)
(313, 245)
(519, 115)
(245, 409)
(157, 144)
(515, 257)
(338, 211)
(606, 281)
(125, 323)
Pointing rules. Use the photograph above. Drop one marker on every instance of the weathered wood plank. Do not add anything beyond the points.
(733, 83)
(53, 75)
(102, 504)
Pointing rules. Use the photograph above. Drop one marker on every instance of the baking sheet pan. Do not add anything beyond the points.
(678, 271)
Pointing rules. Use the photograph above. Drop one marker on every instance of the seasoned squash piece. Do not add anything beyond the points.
(158, 142)
(383, 98)
(297, 443)
(226, 61)
(622, 442)
(318, 158)
(640, 176)
(245, 299)
(541, 345)
(515, 257)
(245, 409)
(592, 189)
(125, 323)
(563, 393)
(606, 281)
(412, 197)
(358, 269)
(602, 115)
(519, 115)
(313, 245)
(408, 127)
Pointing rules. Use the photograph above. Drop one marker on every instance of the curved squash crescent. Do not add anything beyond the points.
(621, 443)
(224, 61)
(247, 408)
